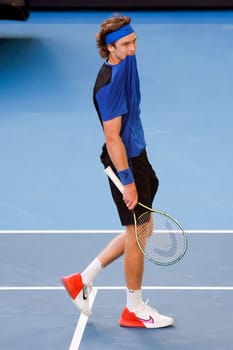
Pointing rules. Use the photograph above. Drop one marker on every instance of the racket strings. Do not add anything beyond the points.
(160, 238)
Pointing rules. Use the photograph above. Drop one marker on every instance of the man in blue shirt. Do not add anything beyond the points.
(117, 101)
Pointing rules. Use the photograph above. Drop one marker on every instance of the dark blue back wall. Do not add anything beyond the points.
(131, 4)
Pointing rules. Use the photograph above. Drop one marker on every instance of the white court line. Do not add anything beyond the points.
(78, 232)
(97, 288)
(83, 320)
(30, 288)
(81, 325)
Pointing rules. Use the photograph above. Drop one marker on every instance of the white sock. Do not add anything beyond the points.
(133, 299)
(92, 270)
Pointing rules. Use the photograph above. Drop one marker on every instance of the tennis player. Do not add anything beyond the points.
(117, 102)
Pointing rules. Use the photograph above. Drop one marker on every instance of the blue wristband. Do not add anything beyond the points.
(126, 176)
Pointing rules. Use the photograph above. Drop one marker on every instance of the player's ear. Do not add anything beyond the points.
(110, 48)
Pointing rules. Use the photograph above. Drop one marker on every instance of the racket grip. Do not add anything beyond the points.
(114, 178)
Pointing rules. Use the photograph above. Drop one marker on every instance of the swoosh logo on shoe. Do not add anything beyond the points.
(149, 320)
(85, 296)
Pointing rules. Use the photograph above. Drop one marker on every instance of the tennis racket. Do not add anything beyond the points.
(159, 236)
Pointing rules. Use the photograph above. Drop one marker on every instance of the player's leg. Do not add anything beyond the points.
(79, 285)
(133, 261)
(113, 250)
(137, 313)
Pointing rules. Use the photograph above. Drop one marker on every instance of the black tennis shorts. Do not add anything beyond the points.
(146, 182)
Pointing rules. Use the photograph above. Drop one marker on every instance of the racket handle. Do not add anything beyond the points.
(114, 178)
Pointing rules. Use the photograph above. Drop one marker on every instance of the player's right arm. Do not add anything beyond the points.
(117, 152)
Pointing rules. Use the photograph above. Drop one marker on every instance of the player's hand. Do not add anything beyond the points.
(130, 196)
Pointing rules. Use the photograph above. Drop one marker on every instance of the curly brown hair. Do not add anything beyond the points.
(108, 26)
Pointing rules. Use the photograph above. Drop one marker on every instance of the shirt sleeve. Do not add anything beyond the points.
(111, 101)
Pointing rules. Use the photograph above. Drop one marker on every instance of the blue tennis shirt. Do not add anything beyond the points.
(117, 93)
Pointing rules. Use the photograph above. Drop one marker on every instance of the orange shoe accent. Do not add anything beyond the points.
(129, 319)
(73, 284)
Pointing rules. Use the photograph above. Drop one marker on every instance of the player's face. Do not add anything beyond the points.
(123, 47)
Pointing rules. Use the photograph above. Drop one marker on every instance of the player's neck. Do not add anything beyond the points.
(112, 59)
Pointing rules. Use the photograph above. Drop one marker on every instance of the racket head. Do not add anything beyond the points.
(160, 237)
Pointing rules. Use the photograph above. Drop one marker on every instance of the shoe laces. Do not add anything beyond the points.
(145, 307)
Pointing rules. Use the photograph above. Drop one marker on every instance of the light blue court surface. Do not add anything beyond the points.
(56, 212)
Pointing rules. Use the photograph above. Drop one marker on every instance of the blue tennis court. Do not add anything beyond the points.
(51, 179)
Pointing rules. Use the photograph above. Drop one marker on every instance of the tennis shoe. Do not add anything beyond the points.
(79, 293)
(144, 317)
